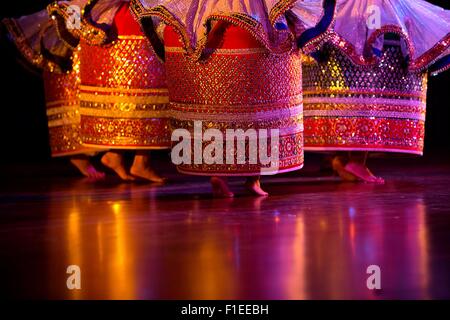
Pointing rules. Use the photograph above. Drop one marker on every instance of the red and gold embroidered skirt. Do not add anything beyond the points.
(61, 94)
(237, 85)
(356, 108)
(123, 92)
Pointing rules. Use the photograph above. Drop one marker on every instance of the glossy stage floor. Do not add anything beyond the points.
(314, 237)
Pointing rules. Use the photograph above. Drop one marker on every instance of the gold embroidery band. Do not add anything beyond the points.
(365, 114)
(125, 122)
(66, 141)
(69, 116)
(109, 90)
(123, 99)
(337, 92)
(131, 114)
(55, 106)
(125, 133)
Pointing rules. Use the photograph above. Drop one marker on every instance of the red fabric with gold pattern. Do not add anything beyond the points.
(238, 84)
(61, 95)
(123, 93)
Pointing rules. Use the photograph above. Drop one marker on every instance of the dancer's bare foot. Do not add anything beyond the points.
(86, 168)
(141, 168)
(146, 173)
(362, 172)
(253, 185)
(220, 188)
(114, 161)
(339, 166)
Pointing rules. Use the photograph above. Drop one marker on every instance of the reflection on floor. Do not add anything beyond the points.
(314, 237)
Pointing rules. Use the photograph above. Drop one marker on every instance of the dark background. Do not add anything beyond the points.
(23, 125)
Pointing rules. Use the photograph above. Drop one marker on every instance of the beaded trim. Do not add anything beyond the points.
(87, 32)
(419, 64)
(243, 21)
(316, 42)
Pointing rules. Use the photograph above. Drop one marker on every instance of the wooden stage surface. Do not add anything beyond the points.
(313, 238)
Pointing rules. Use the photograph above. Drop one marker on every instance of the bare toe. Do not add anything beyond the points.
(114, 161)
(362, 172)
(86, 168)
(220, 188)
(147, 173)
(254, 187)
(339, 168)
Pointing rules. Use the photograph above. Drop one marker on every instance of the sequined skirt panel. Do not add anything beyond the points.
(239, 85)
(124, 97)
(348, 107)
(61, 94)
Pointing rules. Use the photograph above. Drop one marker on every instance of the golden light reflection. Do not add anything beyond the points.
(422, 252)
(212, 269)
(295, 283)
(101, 245)
(74, 243)
(100, 242)
(312, 255)
(336, 255)
(121, 273)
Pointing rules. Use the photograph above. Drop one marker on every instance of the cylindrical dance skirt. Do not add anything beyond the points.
(61, 94)
(364, 108)
(123, 92)
(237, 85)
